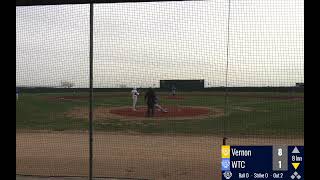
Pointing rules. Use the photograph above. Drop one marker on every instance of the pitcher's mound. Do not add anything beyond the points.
(172, 111)
(126, 113)
(174, 97)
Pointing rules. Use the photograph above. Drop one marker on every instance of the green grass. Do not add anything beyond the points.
(269, 117)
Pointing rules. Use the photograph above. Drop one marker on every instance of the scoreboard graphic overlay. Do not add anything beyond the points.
(262, 162)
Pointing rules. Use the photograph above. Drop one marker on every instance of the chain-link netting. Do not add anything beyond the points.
(170, 79)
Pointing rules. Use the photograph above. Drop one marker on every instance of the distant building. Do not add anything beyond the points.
(182, 84)
(299, 84)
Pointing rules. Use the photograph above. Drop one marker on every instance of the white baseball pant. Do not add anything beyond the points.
(134, 102)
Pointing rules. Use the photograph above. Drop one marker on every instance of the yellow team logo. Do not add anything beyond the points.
(225, 151)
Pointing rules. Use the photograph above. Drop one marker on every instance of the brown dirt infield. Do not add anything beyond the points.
(174, 97)
(144, 156)
(173, 111)
(126, 113)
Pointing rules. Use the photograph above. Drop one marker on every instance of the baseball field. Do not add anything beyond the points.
(183, 143)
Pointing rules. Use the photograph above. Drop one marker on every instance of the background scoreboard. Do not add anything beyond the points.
(262, 162)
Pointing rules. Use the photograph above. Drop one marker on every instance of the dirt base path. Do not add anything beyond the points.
(126, 155)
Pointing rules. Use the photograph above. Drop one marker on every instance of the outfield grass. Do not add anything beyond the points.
(266, 116)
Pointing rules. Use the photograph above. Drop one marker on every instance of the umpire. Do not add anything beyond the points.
(150, 97)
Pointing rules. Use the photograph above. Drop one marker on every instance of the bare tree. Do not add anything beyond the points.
(67, 84)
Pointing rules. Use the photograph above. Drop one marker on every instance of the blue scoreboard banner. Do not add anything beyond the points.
(262, 162)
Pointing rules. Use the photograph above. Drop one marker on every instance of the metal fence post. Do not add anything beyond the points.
(91, 97)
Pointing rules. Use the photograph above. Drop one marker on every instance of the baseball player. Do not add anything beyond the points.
(149, 98)
(17, 93)
(157, 105)
(173, 90)
(135, 95)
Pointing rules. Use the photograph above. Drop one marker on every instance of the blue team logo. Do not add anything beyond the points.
(227, 174)
(225, 164)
